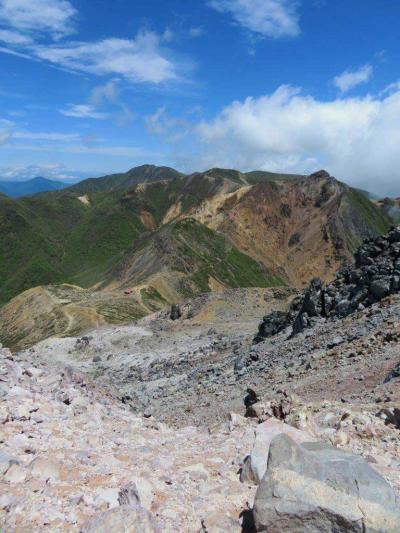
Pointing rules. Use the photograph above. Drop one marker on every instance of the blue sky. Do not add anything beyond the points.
(93, 87)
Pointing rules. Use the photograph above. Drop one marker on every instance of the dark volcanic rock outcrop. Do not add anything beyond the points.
(374, 275)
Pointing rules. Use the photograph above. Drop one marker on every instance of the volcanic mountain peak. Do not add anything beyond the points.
(123, 181)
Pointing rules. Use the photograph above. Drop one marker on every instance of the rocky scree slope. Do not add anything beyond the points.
(74, 457)
(374, 275)
(77, 457)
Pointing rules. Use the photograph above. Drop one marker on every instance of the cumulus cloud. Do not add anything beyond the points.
(33, 17)
(140, 60)
(14, 37)
(272, 18)
(83, 111)
(356, 139)
(351, 78)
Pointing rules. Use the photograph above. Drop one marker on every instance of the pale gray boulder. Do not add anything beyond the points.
(255, 464)
(315, 488)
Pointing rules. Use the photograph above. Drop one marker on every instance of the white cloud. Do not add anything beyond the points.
(124, 116)
(83, 111)
(87, 148)
(172, 129)
(100, 97)
(4, 137)
(14, 37)
(140, 60)
(11, 52)
(23, 173)
(351, 78)
(158, 122)
(390, 89)
(104, 93)
(356, 139)
(24, 25)
(52, 17)
(196, 31)
(272, 18)
(44, 136)
(168, 35)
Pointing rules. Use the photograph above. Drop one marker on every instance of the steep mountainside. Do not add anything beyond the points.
(15, 189)
(298, 227)
(179, 236)
(185, 258)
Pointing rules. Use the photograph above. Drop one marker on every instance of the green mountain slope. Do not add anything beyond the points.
(108, 232)
(123, 181)
(188, 259)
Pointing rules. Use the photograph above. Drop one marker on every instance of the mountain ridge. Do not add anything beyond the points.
(175, 236)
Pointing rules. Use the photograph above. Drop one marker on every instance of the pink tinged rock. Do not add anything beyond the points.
(15, 474)
(7, 501)
(33, 372)
(45, 469)
(124, 519)
(108, 496)
(6, 461)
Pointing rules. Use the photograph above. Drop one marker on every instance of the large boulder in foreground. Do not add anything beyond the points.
(315, 488)
(255, 464)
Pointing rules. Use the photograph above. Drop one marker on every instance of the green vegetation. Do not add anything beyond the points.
(207, 254)
(55, 237)
(152, 299)
(369, 213)
(126, 180)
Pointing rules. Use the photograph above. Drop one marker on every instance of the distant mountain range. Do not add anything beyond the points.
(16, 189)
(161, 236)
